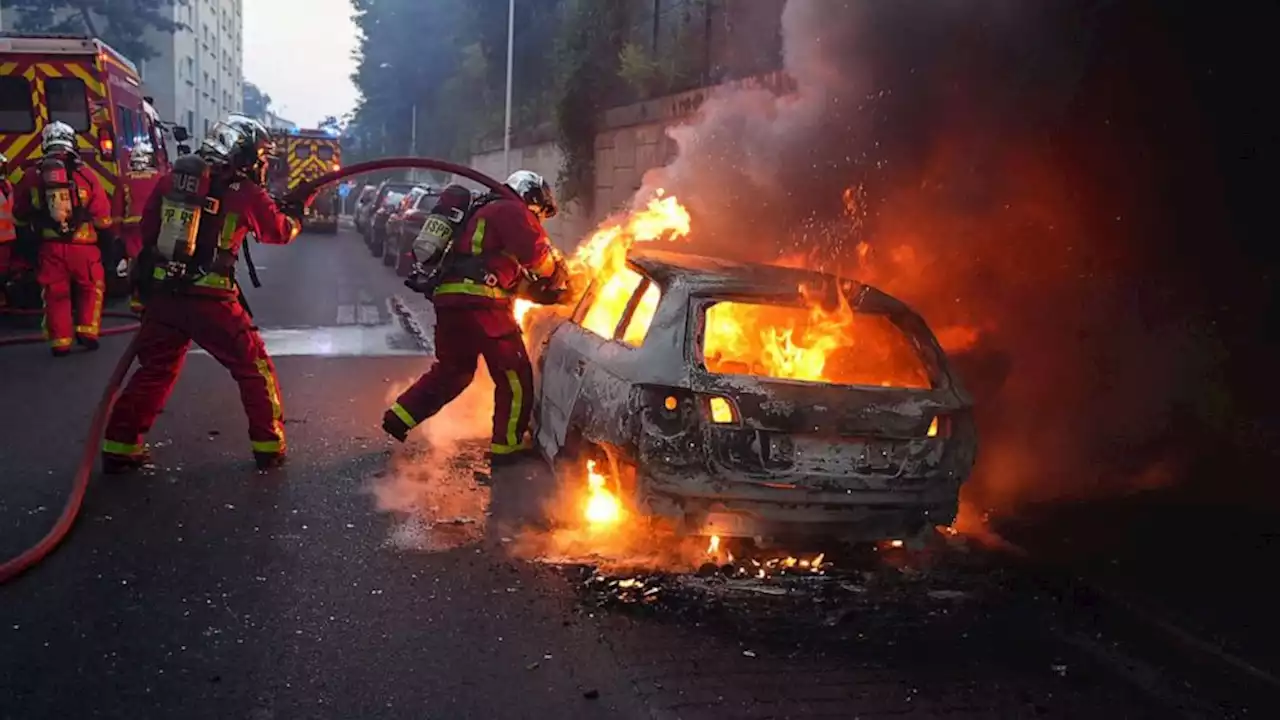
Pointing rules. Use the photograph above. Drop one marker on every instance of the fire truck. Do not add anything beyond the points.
(305, 155)
(82, 82)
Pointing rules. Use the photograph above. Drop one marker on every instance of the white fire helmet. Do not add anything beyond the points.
(56, 137)
(142, 157)
(535, 191)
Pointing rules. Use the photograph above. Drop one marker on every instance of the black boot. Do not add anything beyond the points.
(113, 464)
(88, 343)
(394, 426)
(268, 460)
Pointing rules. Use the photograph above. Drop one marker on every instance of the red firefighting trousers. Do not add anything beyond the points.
(223, 328)
(65, 267)
(463, 336)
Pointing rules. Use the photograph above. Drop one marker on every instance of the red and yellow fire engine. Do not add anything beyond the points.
(303, 155)
(82, 82)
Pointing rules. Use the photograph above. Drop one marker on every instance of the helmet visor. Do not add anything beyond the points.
(223, 139)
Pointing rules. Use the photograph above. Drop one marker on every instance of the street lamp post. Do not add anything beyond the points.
(511, 35)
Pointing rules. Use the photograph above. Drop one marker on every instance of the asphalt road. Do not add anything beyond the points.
(207, 590)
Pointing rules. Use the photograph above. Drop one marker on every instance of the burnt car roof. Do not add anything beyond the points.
(709, 274)
(705, 275)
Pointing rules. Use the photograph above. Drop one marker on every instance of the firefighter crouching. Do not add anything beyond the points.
(193, 230)
(8, 229)
(68, 208)
(501, 247)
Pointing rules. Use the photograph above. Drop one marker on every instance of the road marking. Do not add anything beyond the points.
(346, 314)
(345, 341)
(369, 315)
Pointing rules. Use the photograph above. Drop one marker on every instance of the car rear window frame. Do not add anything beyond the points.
(21, 91)
(695, 358)
(80, 118)
(581, 311)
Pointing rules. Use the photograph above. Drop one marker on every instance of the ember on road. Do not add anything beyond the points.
(364, 581)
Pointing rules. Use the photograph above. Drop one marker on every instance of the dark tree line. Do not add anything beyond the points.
(443, 64)
(122, 24)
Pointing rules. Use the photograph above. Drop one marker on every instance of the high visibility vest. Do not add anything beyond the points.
(8, 231)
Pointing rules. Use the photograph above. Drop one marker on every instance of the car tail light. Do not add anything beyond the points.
(722, 411)
(940, 426)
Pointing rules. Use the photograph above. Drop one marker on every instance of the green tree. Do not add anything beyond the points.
(256, 102)
(122, 24)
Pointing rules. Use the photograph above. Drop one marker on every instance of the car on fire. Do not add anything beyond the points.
(701, 382)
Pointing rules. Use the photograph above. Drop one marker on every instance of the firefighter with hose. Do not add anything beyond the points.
(501, 252)
(194, 229)
(69, 209)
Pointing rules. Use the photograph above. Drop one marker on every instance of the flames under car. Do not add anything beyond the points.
(755, 400)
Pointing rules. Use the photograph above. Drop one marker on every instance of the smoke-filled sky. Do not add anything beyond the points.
(299, 53)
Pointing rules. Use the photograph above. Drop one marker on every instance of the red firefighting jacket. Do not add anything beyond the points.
(501, 241)
(243, 208)
(29, 200)
(130, 200)
(8, 229)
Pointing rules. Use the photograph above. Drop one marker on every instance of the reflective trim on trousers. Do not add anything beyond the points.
(497, 449)
(277, 410)
(111, 447)
(517, 402)
(404, 415)
(471, 287)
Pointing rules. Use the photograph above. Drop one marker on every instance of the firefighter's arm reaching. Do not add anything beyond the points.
(22, 205)
(548, 276)
(266, 221)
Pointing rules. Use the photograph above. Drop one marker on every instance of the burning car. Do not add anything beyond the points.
(745, 400)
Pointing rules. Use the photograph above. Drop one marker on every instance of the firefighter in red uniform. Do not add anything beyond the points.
(8, 229)
(502, 246)
(193, 228)
(139, 182)
(70, 211)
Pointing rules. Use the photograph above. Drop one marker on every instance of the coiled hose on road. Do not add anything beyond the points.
(302, 195)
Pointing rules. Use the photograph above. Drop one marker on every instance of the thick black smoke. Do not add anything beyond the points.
(994, 160)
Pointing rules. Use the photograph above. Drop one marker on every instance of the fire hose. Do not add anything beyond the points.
(301, 196)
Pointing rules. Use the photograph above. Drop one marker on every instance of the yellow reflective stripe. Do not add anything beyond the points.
(477, 238)
(499, 449)
(60, 342)
(517, 401)
(269, 446)
(159, 273)
(277, 410)
(133, 219)
(217, 282)
(229, 230)
(470, 287)
(118, 448)
(404, 415)
(93, 327)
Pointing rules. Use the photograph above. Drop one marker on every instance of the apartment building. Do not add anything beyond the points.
(199, 74)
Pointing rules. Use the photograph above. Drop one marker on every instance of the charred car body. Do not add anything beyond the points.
(643, 372)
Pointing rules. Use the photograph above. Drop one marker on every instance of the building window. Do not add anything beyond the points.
(191, 121)
(190, 67)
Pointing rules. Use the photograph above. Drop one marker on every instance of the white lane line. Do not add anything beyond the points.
(346, 314)
(369, 315)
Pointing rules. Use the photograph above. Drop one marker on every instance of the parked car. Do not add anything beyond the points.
(404, 226)
(363, 201)
(654, 370)
(378, 223)
(371, 210)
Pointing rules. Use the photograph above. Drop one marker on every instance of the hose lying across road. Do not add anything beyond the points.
(88, 456)
(302, 195)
